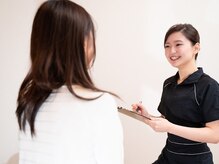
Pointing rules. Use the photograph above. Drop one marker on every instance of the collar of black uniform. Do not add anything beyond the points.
(193, 78)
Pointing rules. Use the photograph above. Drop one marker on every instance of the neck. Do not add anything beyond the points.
(184, 73)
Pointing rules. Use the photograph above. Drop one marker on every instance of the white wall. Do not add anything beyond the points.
(16, 19)
(130, 59)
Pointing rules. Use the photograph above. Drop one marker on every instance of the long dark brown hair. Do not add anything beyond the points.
(57, 56)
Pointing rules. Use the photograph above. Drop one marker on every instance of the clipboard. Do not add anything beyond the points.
(132, 114)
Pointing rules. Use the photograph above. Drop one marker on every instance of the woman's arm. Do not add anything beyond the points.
(109, 133)
(208, 134)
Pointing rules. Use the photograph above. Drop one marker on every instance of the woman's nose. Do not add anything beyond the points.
(172, 50)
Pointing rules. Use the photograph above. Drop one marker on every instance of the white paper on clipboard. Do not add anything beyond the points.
(132, 114)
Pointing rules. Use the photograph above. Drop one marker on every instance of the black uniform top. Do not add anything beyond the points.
(192, 103)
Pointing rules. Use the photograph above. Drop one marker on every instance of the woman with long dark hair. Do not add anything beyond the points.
(63, 117)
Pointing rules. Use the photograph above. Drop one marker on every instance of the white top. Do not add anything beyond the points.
(73, 131)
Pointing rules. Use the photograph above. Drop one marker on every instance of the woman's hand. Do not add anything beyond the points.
(159, 124)
(139, 108)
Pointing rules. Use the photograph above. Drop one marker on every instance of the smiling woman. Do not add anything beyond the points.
(189, 102)
(130, 60)
(182, 44)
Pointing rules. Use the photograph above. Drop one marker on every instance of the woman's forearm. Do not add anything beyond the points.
(208, 134)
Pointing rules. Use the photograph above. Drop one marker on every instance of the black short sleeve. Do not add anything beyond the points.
(210, 102)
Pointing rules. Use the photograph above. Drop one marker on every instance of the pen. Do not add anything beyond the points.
(139, 109)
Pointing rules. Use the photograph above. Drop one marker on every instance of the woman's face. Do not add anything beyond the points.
(89, 49)
(179, 50)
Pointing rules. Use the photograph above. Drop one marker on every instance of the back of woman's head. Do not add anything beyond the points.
(57, 44)
(60, 29)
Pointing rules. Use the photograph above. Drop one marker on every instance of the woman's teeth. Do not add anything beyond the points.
(174, 58)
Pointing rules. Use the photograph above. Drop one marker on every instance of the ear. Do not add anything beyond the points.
(196, 48)
(88, 51)
(85, 44)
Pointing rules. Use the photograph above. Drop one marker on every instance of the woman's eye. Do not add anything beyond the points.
(178, 45)
(166, 46)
